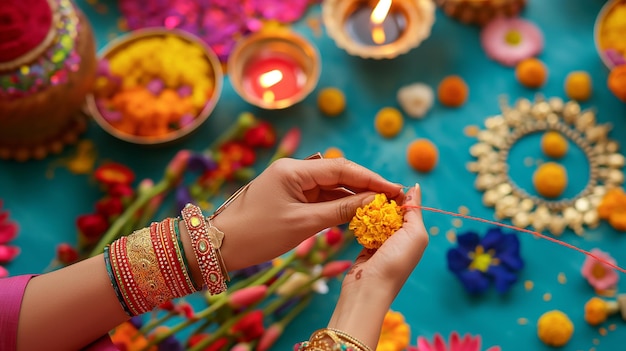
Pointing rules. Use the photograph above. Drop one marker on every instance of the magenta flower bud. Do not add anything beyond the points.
(305, 247)
(333, 236)
(242, 346)
(335, 268)
(177, 165)
(247, 296)
(145, 185)
(290, 142)
(8, 253)
(269, 337)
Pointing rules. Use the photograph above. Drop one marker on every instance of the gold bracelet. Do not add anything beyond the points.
(330, 339)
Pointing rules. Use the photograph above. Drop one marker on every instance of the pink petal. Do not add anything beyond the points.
(8, 253)
(455, 341)
(494, 348)
(3, 272)
(8, 231)
(423, 344)
(440, 345)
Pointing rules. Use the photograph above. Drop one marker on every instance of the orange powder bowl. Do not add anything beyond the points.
(146, 115)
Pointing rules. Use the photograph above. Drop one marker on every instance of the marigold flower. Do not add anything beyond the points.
(395, 334)
(613, 208)
(555, 328)
(376, 221)
(126, 337)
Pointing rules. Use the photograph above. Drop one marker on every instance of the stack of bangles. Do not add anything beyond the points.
(149, 267)
(329, 339)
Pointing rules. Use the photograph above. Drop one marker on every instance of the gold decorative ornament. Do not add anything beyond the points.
(512, 202)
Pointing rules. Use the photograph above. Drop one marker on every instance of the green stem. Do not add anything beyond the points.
(175, 329)
(295, 311)
(114, 231)
(156, 322)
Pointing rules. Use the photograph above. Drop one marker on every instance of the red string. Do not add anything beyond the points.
(542, 236)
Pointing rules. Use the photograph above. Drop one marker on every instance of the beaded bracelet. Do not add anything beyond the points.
(330, 339)
(204, 250)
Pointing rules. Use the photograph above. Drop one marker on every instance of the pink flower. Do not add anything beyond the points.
(468, 343)
(270, 336)
(247, 296)
(510, 40)
(600, 275)
(335, 268)
(8, 232)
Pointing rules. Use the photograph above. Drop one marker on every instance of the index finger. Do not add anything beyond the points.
(340, 172)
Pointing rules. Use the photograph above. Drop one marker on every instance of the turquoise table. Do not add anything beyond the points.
(432, 300)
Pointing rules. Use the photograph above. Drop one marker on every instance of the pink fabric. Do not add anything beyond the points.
(11, 294)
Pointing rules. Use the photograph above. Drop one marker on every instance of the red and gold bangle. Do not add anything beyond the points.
(143, 264)
(161, 252)
(203, 249)
(181, 262)
(176, 267)
(130, 291)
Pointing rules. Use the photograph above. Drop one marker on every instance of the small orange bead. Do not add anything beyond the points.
(452, 91)
(422, 155)
(333, 152)
(554, 144)
(531, 73)
(550, 179)
(389, 122)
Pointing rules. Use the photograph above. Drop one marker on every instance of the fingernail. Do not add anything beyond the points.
(417, 186)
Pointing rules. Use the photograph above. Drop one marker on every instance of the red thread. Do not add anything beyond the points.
(542, 236)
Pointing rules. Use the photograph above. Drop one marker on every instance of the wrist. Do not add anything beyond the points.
(360, 312)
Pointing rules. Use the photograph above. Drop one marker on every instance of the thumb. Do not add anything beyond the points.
(339, 211)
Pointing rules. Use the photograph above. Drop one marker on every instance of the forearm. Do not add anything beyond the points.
(360, 313)
(69, 308)
(74, 306)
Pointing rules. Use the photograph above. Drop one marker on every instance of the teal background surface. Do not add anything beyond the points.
(432, 300)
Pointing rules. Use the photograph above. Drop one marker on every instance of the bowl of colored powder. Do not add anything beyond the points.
(610, 33)
(155, 86)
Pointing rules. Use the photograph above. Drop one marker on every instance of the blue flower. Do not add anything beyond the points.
(478, 262)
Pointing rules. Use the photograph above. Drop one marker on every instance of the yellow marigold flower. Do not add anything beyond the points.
(613, 208)
(395, 333)
(376, 221)
(554, 328)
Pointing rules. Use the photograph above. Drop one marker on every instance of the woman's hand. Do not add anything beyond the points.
(292, 200)
(377, 276)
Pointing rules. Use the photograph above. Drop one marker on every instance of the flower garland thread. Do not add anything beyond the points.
(508, 226)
